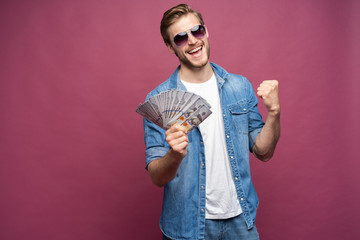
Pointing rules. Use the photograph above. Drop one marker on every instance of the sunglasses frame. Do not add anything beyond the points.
(199, 27)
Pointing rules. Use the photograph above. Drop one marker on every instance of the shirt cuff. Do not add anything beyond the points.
(154, 153)
(252, 137)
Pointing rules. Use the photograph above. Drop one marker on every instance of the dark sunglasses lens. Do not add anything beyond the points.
(198, 31)
(181, 39)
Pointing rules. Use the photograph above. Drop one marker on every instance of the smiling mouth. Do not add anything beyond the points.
(195, 50)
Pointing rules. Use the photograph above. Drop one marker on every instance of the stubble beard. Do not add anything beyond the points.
(186, 62)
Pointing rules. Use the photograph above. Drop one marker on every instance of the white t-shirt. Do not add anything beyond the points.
(221, 198)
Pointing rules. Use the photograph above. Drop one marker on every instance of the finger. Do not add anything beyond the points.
(175, 132)
(179, 143)
(176, 128)
(262, 93)
(267, 88)
(175, 136)
(271, 82)
(262, 88)
(181, 146)
(184, 144)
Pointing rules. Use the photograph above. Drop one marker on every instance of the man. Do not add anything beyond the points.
(208, 192)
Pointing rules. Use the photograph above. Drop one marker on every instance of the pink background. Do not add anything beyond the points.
(72, 73)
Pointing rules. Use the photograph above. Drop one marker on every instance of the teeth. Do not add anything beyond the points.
(195, 50)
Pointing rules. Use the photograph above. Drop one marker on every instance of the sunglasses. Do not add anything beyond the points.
(182, 38)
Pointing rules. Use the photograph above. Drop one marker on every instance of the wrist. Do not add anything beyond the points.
(177, 156)
(274, 111)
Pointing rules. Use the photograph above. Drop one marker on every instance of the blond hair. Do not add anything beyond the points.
(172, 15)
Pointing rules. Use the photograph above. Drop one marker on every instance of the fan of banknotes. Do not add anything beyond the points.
(175, 106)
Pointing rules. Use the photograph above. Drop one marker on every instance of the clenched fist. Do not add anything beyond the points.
(269, 92)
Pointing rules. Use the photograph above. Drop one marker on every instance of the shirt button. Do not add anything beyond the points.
(202, 187)
(241, 199)
(201, 142)
(236, 178)
(202, 164)
(202, 210)
(232, 157)
(244, 109)
(227, 136)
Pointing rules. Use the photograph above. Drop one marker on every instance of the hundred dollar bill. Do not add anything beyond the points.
(175, 106)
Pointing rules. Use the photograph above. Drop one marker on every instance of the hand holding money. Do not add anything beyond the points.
(176, 137)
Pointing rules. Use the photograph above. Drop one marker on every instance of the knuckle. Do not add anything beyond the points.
(168, 139)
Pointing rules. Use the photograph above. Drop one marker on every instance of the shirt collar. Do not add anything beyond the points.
(220, 73)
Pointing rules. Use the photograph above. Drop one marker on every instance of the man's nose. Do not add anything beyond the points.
(192, 40)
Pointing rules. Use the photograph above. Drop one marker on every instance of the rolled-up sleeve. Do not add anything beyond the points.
(156, 146)
(256, 122)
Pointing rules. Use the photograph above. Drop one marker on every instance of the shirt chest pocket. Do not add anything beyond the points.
(240, 116)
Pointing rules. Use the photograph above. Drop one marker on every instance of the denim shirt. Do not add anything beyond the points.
(183, 211)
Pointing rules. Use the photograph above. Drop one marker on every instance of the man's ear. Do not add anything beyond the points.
(207, 32)
(170, 48)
